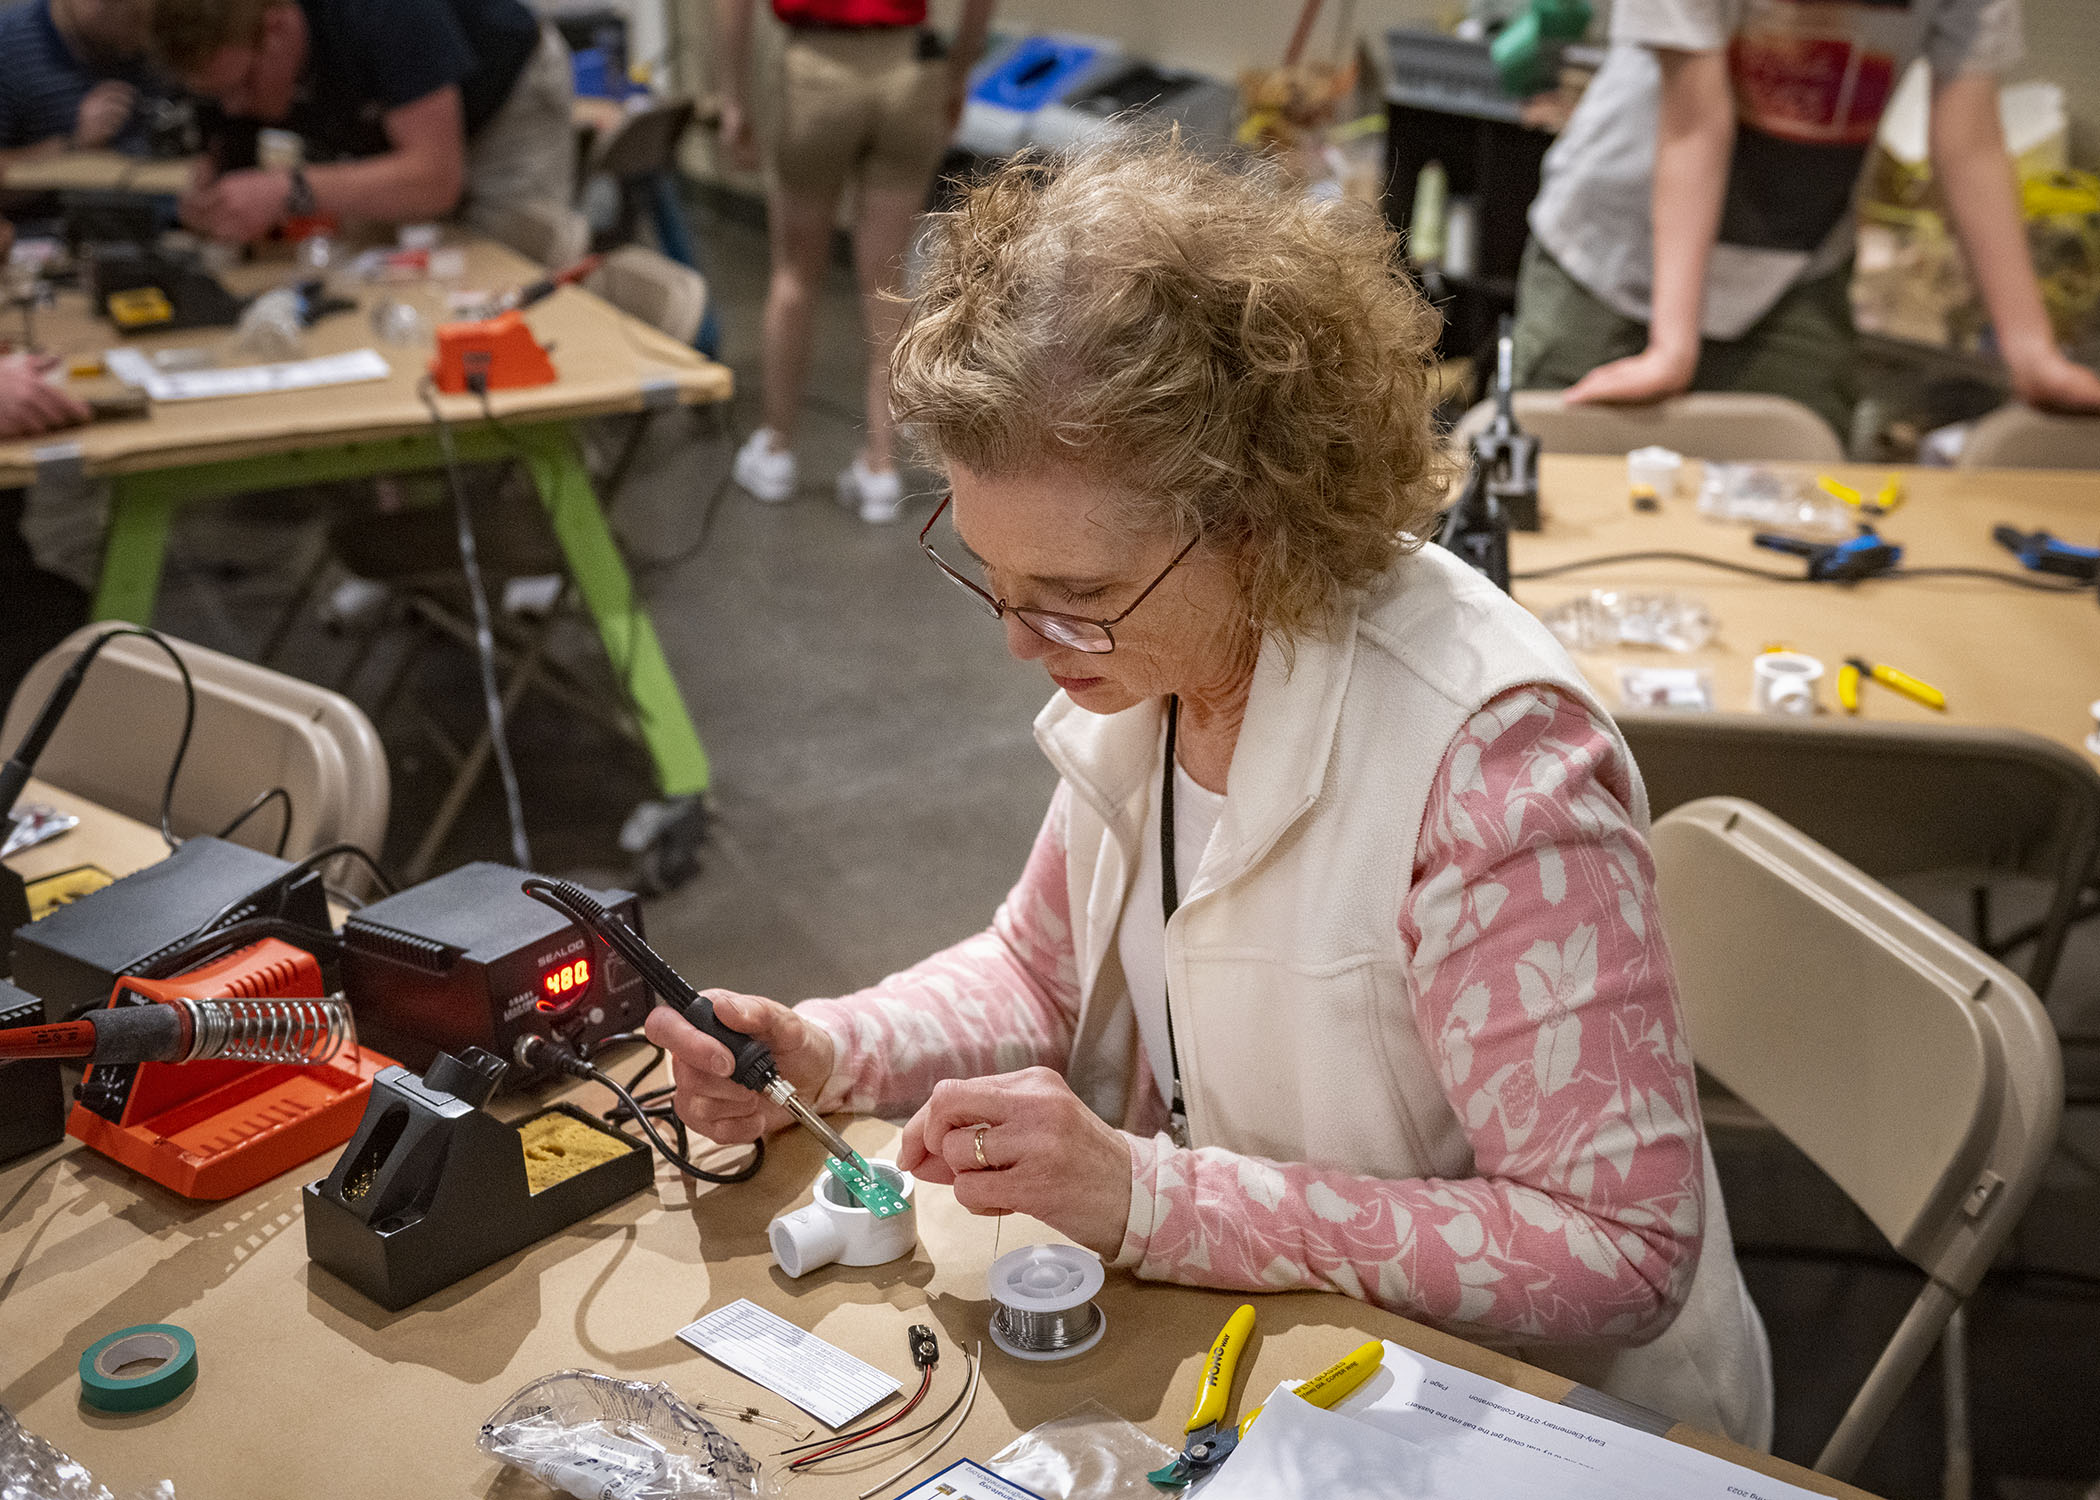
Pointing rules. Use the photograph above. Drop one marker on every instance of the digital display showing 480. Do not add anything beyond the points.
(560, 987)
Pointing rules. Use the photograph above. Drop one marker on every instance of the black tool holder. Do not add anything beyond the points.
(32, 1092)
(1501, 492)
(433, 1187)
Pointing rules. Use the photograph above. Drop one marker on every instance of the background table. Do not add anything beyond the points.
(306, 1388)
(95, 172)
(192, 451)
(2006, 656)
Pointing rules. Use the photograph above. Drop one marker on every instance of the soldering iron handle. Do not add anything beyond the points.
(751, 1059)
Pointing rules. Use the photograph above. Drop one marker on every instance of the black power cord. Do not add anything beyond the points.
(284, 826)
(484, 630)
(1700, 559)
(538, 1052)
(15, 774)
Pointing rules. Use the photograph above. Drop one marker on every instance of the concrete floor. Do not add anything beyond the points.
(876, 789)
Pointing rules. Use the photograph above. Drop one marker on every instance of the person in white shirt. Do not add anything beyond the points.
(1694, 229)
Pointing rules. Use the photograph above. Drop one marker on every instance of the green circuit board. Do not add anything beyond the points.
(861, 1180)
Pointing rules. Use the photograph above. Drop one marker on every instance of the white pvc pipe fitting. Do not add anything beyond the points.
(1784, 682)
(833, 1228)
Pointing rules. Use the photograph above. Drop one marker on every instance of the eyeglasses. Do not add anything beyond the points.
(1096, 637)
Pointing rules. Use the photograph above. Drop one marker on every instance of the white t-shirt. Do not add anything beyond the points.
(1141, 937)
(1810, 78)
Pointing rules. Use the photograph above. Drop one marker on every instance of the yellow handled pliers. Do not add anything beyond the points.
(1211, 1436)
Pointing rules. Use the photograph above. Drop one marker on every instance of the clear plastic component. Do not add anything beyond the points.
(1754, 495)
(1087, 1452)
(31, 1469)
(1606, 619)
(598, 1438)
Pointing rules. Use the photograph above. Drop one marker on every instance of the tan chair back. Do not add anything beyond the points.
(1896, 799)
(255, 729)
(653, 287)
(1922, 1076)
(1730, 426)
(551, 234)
(2019, 437)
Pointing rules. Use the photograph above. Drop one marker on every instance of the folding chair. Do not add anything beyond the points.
(255, 729)
(1900, 800)
(1921, 1075)
(2019, 437)
(1729, 426)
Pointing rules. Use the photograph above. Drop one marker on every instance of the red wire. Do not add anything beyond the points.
(925, 1385)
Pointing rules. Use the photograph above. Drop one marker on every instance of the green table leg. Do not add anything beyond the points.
(623, 624)
(141, 508)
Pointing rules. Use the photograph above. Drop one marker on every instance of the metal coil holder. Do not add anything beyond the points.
(302, 1033)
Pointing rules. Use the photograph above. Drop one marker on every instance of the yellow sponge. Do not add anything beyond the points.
(558, 1146)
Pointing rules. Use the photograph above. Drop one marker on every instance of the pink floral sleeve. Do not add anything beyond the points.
(1543, 985)
(1542, 981)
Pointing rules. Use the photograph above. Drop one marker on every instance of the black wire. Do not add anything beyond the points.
(2012, 1278)
(286, 881)
(189, 717)
(284, 828)
(484, 631)
(845, 1446)
(677, 1158)
(2038, 583)
(920, 1431)
(1700, 559)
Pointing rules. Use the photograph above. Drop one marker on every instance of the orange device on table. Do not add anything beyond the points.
(255, 1074)
(498, 354)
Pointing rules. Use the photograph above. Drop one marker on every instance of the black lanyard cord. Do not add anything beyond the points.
(1170, 902)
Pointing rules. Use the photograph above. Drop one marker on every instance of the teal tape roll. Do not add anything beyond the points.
(105, 1390)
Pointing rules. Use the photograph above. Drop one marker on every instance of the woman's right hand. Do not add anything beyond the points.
(700, 1066)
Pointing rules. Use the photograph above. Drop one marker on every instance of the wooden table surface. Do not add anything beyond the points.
(305, 1388)
(2006, 656)
(95, 171)
(605, 362)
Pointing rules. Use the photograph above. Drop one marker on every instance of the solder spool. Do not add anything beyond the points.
(1044, 1297)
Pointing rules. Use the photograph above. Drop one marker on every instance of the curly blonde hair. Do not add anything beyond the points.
(1235, 360)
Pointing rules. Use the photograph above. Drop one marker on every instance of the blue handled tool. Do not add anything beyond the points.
(1864, 556)
(2042, 552)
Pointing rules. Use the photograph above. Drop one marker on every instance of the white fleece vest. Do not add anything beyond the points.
(1287, 978)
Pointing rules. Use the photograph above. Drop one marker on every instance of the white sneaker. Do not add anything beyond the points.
(766, 473)
(878, 497)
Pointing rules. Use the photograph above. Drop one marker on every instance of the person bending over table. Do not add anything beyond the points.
(1694, 228)
(409, 109)
(1394, 943)
(75, 73)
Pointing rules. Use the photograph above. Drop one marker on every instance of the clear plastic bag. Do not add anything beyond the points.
(1754, 495)
(598, 1438)
(1605, 619)
(1088, 1452)
(31, 1469)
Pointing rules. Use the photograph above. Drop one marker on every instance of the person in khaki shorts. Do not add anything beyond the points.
(867, 99)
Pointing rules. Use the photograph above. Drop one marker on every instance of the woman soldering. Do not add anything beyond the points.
(1337, 962)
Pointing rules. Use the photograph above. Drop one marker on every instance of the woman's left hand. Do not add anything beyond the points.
(1045, 1154)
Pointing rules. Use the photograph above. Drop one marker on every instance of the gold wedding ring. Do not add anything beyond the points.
(982, 1164)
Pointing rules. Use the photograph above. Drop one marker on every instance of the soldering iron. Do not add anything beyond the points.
(751, 1059)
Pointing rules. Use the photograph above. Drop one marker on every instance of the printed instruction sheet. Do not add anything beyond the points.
(1431, 1431)
(823, 1379)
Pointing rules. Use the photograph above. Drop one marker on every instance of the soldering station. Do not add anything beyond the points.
(230, 1030)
